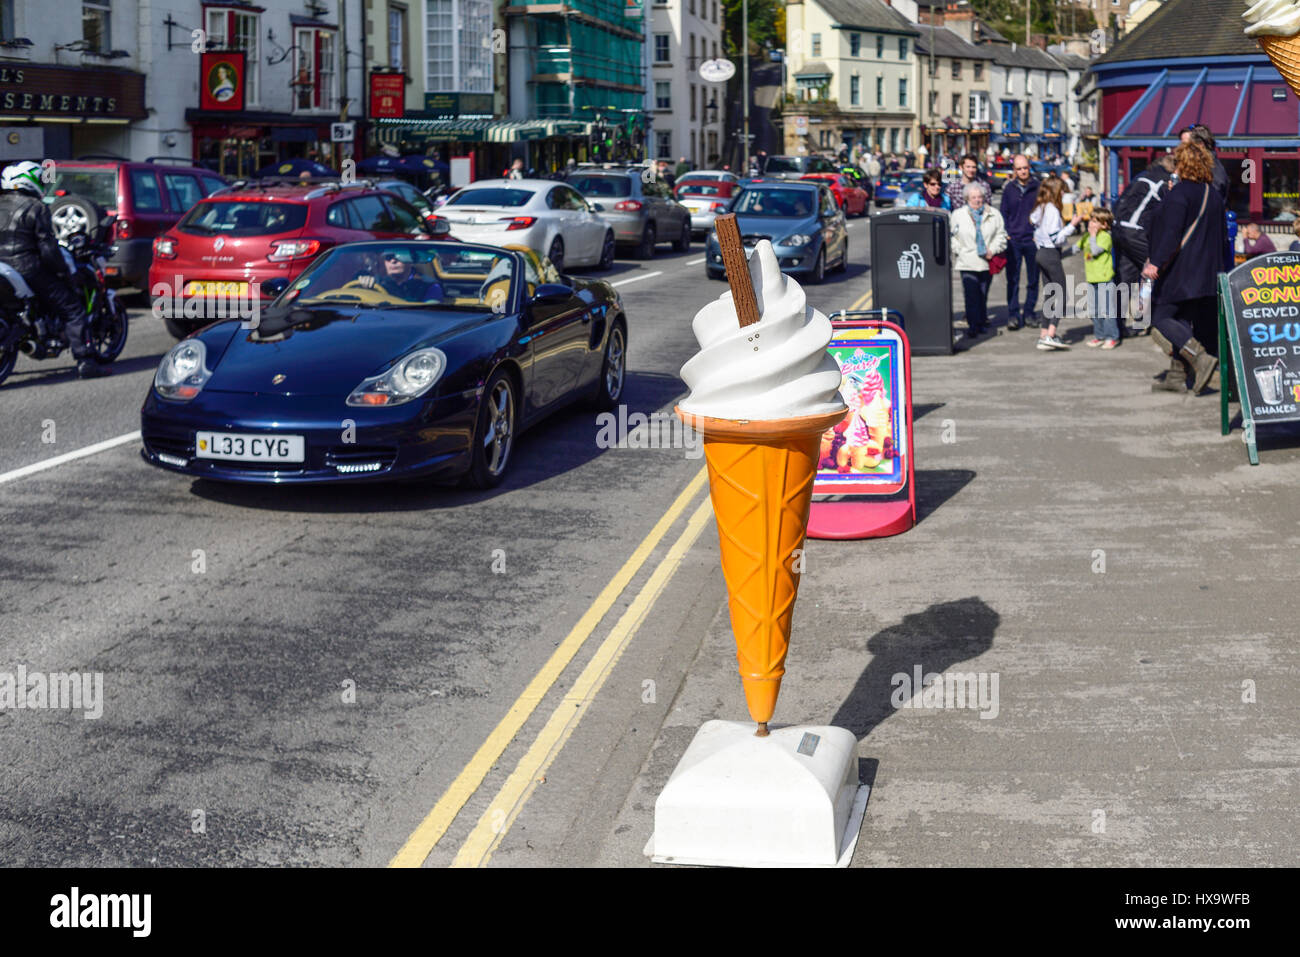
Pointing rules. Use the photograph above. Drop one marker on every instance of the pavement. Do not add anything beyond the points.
(1099, 547)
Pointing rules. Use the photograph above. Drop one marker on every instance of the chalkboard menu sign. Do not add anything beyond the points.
(1259, 310)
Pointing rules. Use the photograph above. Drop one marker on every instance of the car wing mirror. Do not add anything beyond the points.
(551, 292)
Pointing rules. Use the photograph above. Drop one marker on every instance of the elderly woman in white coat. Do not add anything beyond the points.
(978, 234)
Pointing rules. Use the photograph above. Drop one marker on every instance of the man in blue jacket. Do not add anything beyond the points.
(1018, 197)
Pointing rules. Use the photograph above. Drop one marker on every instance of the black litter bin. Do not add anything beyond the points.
(911, 271)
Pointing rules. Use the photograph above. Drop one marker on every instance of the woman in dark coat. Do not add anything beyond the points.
(1187, 239)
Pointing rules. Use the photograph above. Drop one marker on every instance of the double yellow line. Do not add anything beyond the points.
(863, 302)
(510, 798)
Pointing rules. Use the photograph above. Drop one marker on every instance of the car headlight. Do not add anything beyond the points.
(184, 371)
(798, 239)
(408, 378)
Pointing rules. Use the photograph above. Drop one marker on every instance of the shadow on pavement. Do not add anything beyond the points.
(936, 486)
(64, 368)
(557, 444)
(925, 408)
(935, 639)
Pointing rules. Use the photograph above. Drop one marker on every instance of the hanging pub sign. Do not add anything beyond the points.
(221, 81)
(1259, 343)
(387, 96)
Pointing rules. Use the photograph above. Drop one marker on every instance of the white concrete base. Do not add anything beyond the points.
(791, 799)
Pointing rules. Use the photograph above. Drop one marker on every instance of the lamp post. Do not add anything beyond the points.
(744, 84)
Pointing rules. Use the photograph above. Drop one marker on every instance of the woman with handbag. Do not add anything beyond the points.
(1051, 232)
(979, 236)
(1187, 238)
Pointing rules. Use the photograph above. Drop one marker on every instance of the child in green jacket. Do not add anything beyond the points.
(1099, 270)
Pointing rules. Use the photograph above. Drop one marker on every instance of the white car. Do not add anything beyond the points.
(548, 217)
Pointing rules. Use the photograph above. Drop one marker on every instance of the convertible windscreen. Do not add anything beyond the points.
(406, 275)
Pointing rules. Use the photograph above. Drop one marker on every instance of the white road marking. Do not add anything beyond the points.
(41, 466)
(649, 275)
(696, 262)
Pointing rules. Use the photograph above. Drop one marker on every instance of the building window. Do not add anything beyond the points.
(956, 69)
(979, 108)
(397, 37)
(855, 44)
(230, 30)
(1281, 189)
(902, 91)
(902, 48)
(314, 84)
(934, 102)
(692, 102)
(934, 66)
(1048, 91)
(893, 139)
(816, 44)
(907, 138)
(94, 25)
(1010, 116)
(662, 41)
(664, 144)
(956, 105)
(6, 19)
(456, 58)
(1051, 117)
(880, 91)
(1011, 81)
(978, 67)
(855, 95)
(880, 46)
(692, 7)
(663, 95)
(690, 64)
(1029, 83)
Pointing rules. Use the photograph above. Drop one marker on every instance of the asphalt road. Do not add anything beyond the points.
(297, 676)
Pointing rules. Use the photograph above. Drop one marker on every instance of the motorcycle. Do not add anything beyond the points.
(29, 327)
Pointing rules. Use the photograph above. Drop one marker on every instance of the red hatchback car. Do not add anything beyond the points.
(851, 197)
(254, 234)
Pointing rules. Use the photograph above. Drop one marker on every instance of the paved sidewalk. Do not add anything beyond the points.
(1124, 572)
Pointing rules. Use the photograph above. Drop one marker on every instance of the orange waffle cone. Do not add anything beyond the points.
(1285, 54)
(761, 476)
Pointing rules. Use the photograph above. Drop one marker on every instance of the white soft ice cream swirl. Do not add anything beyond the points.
(776, 368)
(1274, 18)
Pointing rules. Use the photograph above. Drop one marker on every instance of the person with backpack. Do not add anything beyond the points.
(1135, 211)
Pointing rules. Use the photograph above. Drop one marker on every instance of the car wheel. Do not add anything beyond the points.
(844, 258)
(556, 254)
(494, 438)
(819, 268)
(607, 252)
(75, 214)
(178, 329)
(613, 368)
(683, 243)
(648, 240)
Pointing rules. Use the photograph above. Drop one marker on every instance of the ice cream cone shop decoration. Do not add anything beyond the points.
(763, 391)
(1276, 25)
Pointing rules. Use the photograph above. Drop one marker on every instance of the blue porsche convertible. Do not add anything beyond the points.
(388, 360)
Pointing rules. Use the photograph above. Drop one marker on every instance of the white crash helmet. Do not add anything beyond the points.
(24, 176)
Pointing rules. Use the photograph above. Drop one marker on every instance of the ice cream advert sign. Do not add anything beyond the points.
(1264, 329)
(868, 445)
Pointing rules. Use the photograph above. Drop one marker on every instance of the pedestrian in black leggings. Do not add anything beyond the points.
(1187, 240)
(1051, 232)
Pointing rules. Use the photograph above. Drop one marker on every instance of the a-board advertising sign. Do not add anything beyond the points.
(865, 484)
(1259, 327)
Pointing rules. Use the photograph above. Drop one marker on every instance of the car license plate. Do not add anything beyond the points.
(197, 288)
(694, 207)
(241, 447)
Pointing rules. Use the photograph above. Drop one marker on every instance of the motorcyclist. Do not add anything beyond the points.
(28, 245)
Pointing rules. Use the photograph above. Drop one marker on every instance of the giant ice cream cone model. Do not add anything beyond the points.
(763, 390)
(1276, 25)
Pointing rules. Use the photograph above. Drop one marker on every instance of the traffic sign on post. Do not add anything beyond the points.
(343, 132)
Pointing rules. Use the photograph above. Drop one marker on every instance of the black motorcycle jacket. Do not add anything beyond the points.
(27, 240)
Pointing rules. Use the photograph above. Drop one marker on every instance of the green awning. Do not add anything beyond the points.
(475, 131)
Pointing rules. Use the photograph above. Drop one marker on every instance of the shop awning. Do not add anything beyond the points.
(1246, 105)
(476, 131)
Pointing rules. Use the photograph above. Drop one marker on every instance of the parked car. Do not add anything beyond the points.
(542, 214)
(642, 213)
(801, 219)
(890, 188)
(147, 198)
(795, 167)
(851, 197)
(705, 199)
(437, 388)
(256, 233)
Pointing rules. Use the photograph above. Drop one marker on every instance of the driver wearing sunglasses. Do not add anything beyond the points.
(400, 279)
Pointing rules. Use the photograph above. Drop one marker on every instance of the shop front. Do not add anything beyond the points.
(60, 112)
(491, 145)
(237, 146)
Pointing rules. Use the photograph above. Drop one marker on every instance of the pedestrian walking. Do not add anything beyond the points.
(932, 193)
(1051, 233)
(1186, 248)
(969, 170)
(1135, 211)
(516, 170)
(978, 234)
(1201, 134)
(1099, 270)
(1018, 198)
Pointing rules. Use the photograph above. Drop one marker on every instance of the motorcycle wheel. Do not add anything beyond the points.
(8, 358)
(107, 331)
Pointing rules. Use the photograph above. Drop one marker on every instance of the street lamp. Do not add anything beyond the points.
(744, 86)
